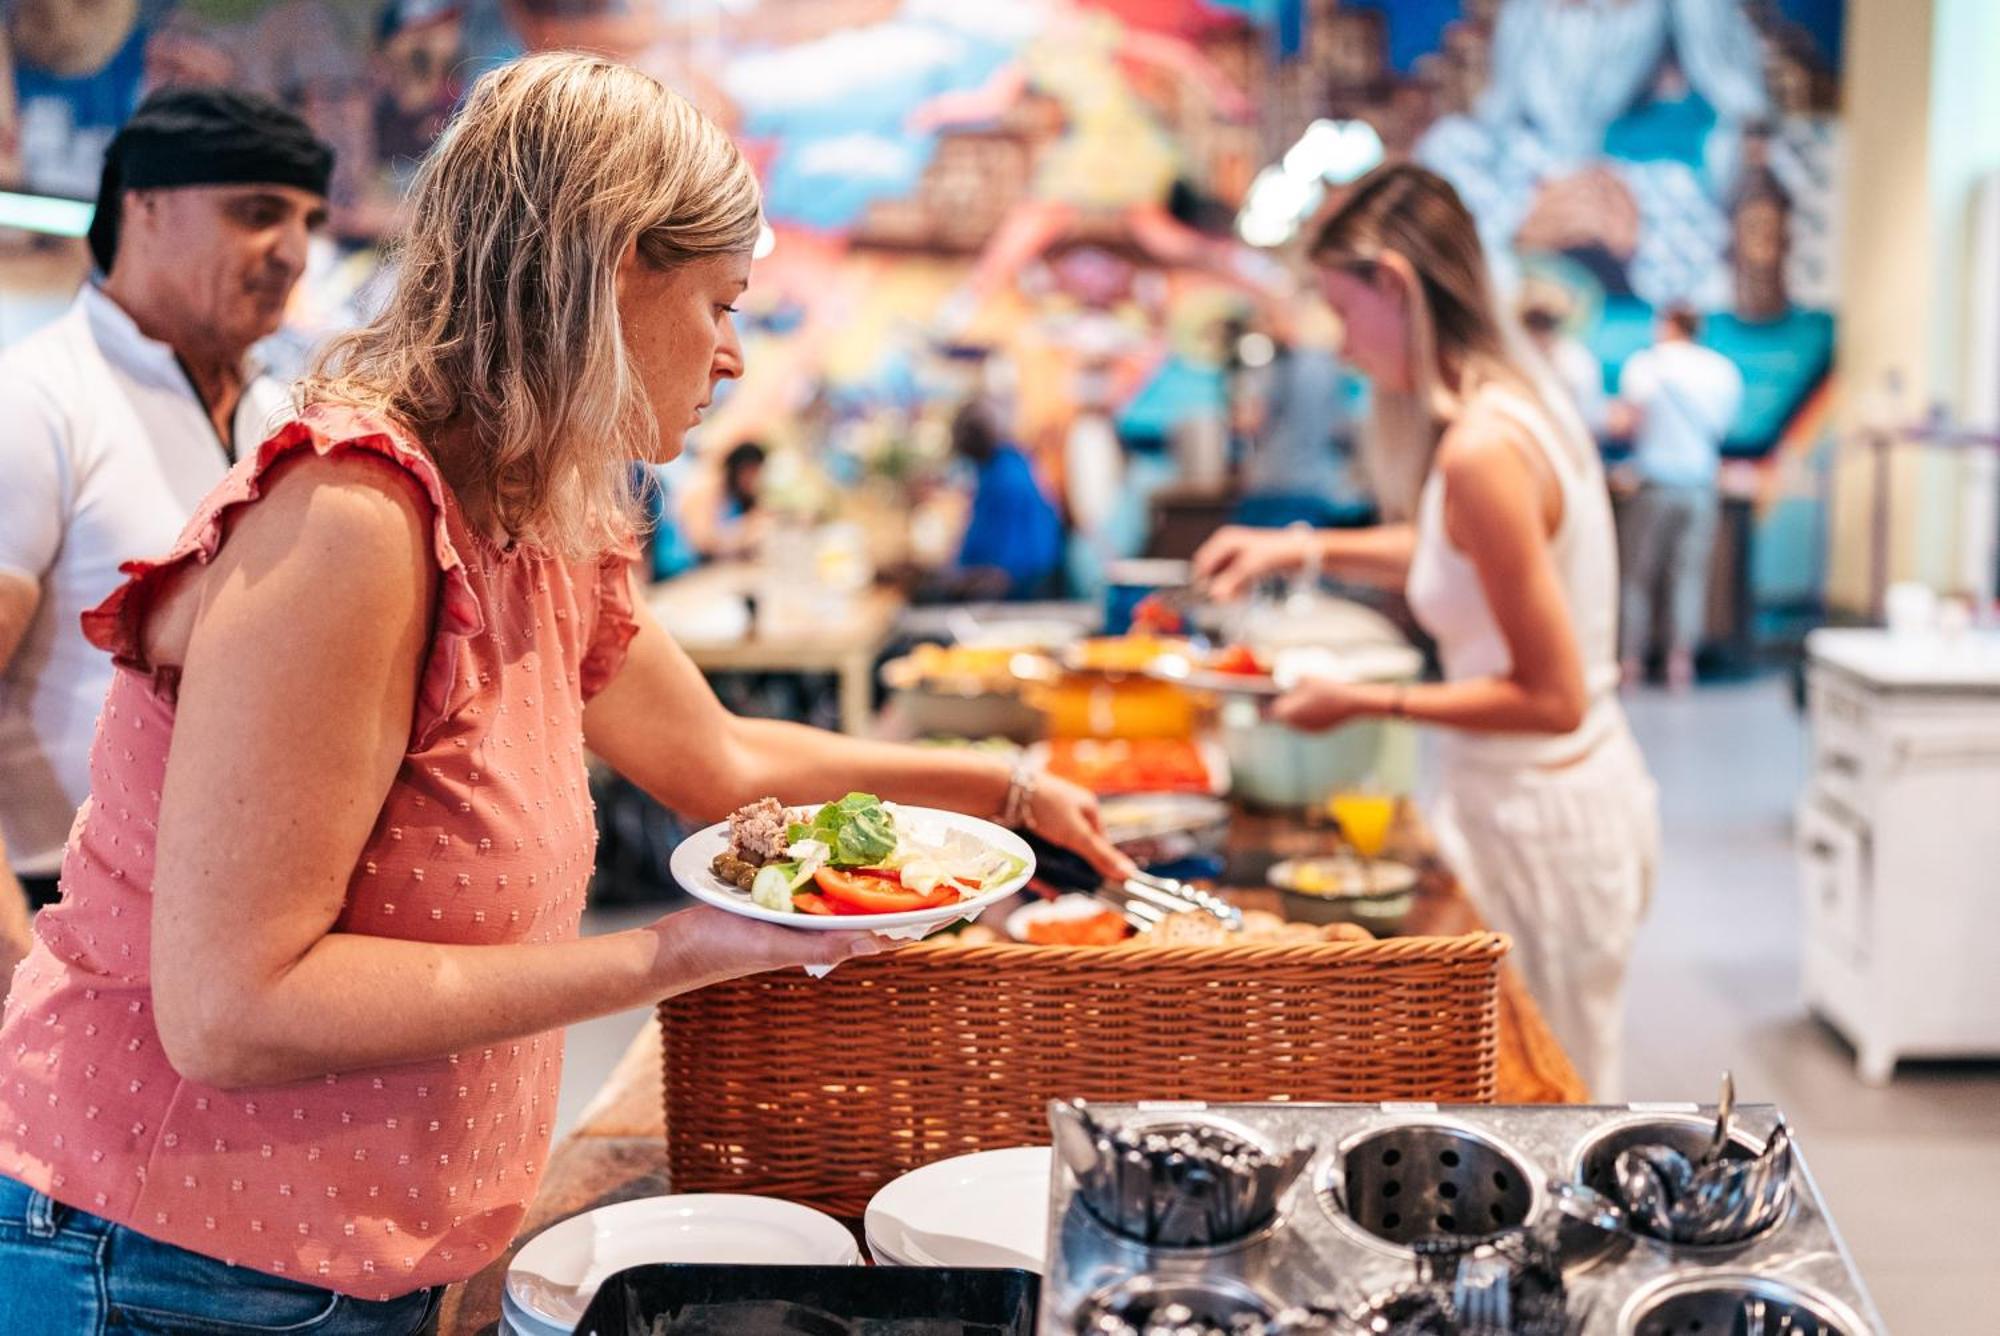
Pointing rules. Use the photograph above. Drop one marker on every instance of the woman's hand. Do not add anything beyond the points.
(705, 945)
(1236, 557)
(1320, 703)
(1067, 814)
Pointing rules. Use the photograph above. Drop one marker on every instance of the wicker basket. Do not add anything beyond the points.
(822, 1091)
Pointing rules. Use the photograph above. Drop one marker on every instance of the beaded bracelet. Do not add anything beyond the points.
(1017, 810)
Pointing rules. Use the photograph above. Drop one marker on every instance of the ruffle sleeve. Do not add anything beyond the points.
(117, 625)
(616, 622)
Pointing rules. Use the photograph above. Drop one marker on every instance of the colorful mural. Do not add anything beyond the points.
(1621, 155)
(993, 139)
(1036, 197)
(1632, 153)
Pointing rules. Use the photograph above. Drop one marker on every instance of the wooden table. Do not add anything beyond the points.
(844, 644)
(618, 1150)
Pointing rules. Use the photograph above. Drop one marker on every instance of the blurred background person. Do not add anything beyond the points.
(1013, 527)
(667, 551)
(719, 510)
(1576, 368)
(1677, 400)
(1294, 463)
(125, 412)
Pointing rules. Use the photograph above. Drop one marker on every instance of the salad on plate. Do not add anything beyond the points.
(853, 857)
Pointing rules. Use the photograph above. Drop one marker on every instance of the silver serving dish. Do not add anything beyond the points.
(1157, 828)
(1389, 1181)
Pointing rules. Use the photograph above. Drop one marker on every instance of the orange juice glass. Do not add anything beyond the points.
(1365, 819)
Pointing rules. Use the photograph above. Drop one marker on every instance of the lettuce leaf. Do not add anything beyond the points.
(858, 829)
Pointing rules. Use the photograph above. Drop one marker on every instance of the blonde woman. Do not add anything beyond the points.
(286, 1055)
(1547, 813)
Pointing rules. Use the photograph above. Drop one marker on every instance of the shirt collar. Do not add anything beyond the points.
(120, 339)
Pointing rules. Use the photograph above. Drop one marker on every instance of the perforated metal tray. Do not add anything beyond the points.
(1409, 1169)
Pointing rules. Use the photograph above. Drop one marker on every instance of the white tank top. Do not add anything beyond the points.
(1448, 601)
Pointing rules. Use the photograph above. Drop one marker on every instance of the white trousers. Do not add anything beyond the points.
(1562, 861)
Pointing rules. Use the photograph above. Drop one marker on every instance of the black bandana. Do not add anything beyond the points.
(204, 137)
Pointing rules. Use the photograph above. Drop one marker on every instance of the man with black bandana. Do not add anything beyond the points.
(122, 415)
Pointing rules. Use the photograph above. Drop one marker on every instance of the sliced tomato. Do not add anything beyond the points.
(1155, 614)
(1240, 660)
(806, 902)
(875, 893)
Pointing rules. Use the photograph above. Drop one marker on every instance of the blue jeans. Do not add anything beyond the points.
(66, 1271)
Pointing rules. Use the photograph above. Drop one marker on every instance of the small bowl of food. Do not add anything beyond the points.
(1068, 920)
(1341, 888)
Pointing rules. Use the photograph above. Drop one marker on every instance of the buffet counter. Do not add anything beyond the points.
(618, 1150)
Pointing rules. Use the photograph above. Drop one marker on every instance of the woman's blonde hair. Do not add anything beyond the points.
(1461, 337)
(500, 345)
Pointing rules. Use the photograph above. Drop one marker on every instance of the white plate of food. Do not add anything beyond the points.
(1068, 920)
(855, 862)
(989, 1209)
(1343, 877)
(553, 1279)
(1233, 671)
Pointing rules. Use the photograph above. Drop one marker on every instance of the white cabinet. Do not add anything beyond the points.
(1898, 841)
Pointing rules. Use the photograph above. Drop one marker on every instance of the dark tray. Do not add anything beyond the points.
(813, 1301)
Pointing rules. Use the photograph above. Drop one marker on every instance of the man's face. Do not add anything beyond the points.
(226, 256)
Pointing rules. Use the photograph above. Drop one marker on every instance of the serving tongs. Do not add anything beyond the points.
(1143, 898)
(1147, 896)
(1142, 917)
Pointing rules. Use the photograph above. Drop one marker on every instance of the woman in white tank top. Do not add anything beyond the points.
(1507, 557)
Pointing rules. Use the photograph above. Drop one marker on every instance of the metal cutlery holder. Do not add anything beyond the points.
(1390, 1180)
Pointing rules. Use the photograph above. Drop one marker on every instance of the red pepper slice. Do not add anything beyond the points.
(875, 893)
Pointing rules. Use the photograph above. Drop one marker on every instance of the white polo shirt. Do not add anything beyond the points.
(1691, 396)
(105, 451)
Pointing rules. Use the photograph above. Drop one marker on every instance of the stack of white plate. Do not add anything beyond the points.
(554, 1277)
(984, 1210)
